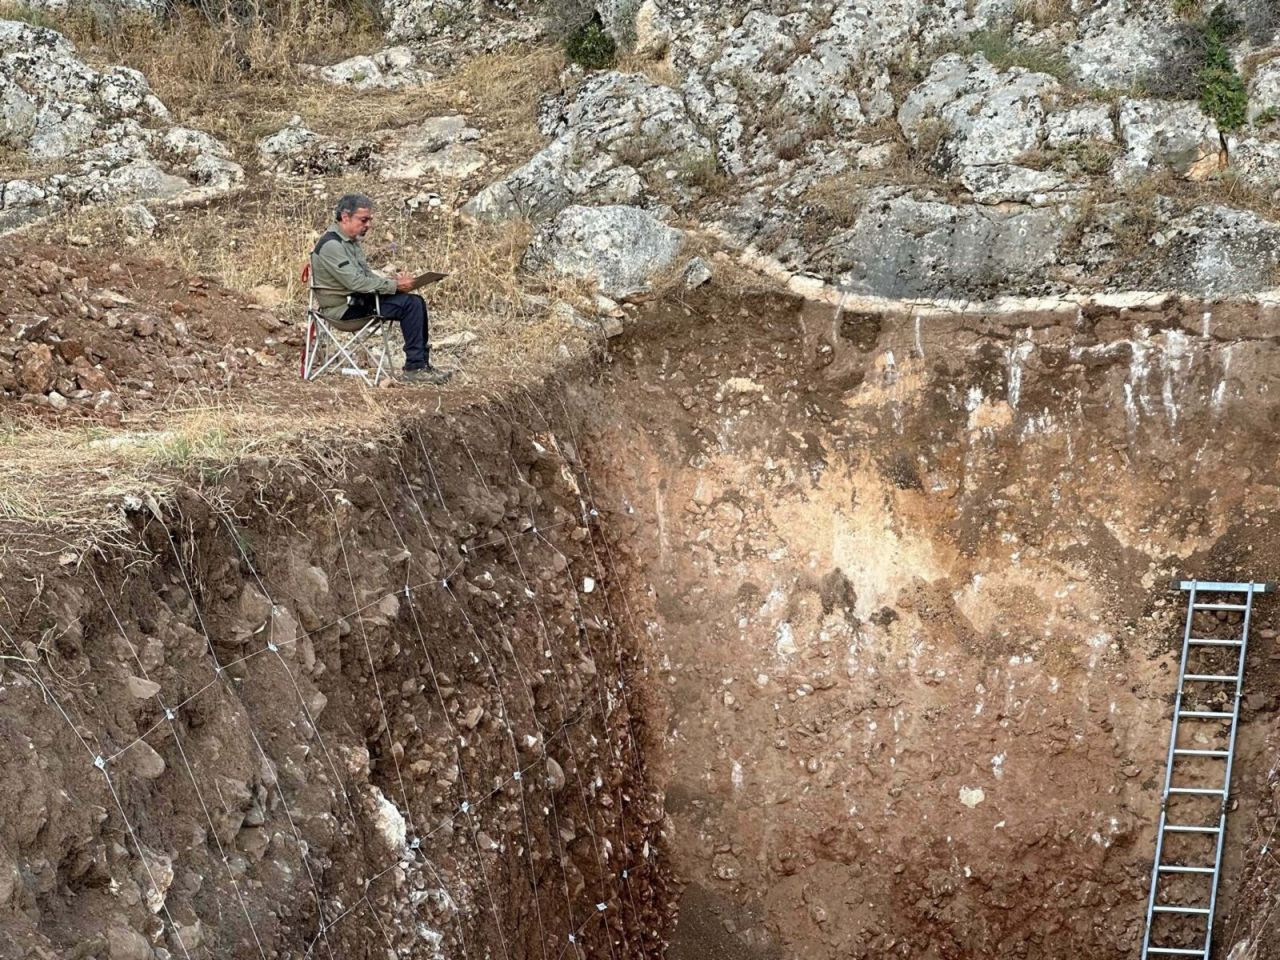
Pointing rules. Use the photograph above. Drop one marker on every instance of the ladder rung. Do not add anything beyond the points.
(1180, 752)
(1207, 714)
(1174, 868)
(1220, 606)
(1214, 677)
(1215, 586)
(1179, 951)
(1213, 642)
(1185, 828)
(1170, 908)
(1198, 791)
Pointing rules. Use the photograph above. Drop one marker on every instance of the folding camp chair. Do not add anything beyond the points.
(344, 346)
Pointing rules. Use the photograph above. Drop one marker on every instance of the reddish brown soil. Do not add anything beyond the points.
(909, 601)
(867, 640)
(112, 336)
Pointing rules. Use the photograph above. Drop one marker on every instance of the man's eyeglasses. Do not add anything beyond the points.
(363, 219)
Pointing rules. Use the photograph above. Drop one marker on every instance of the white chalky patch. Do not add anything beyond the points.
(388, 821)
(972, 796)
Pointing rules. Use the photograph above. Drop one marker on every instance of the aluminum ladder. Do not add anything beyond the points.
(1213, 765)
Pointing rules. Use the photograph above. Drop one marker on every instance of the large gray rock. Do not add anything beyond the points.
(748, 74)
(103, 131)
(619, 248)
(1264, 89)
(391, 69)
(1168, 135)
(1257, 160)
(905, 246)
(1122, 41)
(979, 123)
(620, 129)
(295, 150)
(1217, 251)
(437, 147)
(982, 115)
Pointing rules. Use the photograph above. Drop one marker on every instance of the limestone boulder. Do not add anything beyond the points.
(1171, 136)
(295, 150)
(619, 248)
(391, 69)
(619, 131)
(439, 147)
(904, 245)
(1264, 90)
(1218, 251)
(979, 115)
(102, 133)
(1122, 41)
(1257, 160)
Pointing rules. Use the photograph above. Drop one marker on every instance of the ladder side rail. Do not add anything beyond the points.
(1231, 754)
(1168, 773)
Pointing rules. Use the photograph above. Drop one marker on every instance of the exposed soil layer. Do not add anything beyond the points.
(850, 634)
(910, 600)
(384, 711)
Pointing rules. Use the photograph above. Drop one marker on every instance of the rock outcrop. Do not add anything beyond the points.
(102, 133)
(618, 248)
(438, 148)
(623, 139)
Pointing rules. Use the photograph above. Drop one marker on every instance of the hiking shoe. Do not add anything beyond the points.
(430, 375)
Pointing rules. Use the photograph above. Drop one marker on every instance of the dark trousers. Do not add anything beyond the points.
(411, 310)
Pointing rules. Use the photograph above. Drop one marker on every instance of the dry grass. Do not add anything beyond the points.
(661, 71)
(1042, 13)
(262, 240)
(838, 199)
(99, 469)
(505, 88)
(188, 47)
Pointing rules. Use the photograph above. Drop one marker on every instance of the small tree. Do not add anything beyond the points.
(1222, 91)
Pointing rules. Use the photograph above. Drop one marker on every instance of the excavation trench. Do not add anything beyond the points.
(782, 632)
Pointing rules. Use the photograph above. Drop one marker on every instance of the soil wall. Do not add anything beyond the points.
(848, 634)
(381, 706)
(910, 607)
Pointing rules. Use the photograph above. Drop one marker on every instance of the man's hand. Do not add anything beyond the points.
(404, 281)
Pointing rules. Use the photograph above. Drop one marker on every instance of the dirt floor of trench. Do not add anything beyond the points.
(778, 632)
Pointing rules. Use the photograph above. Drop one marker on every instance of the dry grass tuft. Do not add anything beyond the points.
(505, 87)
(661, 71)
(188, 46)
(1042, 13)
(837, 198)
(99, 469)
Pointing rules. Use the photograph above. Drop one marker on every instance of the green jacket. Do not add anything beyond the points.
(339, 268)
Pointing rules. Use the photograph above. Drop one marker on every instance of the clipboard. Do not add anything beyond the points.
(426, 279)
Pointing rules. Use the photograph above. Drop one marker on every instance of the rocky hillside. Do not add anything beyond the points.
(902, 149)
(922, 149)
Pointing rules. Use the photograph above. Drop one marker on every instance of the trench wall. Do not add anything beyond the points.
(380, 705)
(909, 592)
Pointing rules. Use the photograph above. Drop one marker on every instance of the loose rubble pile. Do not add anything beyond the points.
(98, 339)
(92, 136)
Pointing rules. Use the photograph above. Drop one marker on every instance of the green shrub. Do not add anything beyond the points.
(591, 46)
(1222, 92)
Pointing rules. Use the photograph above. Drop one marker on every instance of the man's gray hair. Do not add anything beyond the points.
(350, 203)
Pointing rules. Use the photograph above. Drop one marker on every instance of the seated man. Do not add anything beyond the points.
(345, 287)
